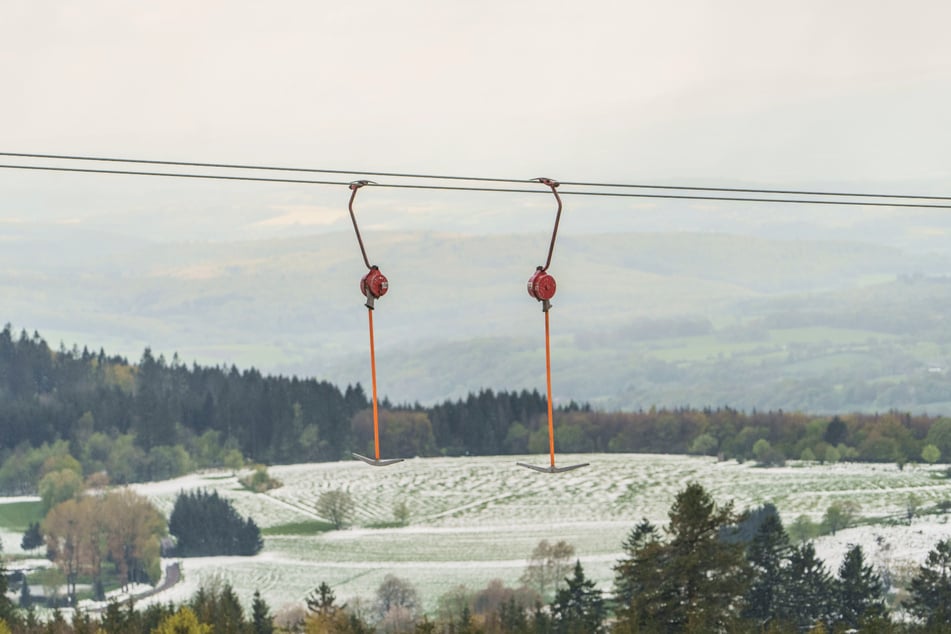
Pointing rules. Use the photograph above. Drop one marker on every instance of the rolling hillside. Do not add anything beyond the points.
(477, 519)
(639, 319)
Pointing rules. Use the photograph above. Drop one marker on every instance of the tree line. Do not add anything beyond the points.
(157, 419)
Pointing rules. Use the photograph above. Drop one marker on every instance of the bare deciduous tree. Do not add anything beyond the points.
(548, 566)
(396, 600)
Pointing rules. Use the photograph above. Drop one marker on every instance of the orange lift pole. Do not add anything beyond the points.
(541, 286)
(373, 285)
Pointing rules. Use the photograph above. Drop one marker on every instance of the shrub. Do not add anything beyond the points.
(336, 507)
(259, 480)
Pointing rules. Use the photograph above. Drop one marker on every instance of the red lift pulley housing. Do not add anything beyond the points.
(374, 285)
(541, 286)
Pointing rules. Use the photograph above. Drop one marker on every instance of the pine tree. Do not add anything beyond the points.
(696, 580)
(709, 576)
(808, 598)
(219, 606)
(930, 589)
(229, 618)
(261, 620)
(579, 607)
(767, 554)
(321, 600)
(632, 575)
(32, 538)
(860, 592)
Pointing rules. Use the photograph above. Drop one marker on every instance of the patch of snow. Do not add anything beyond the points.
(476, 519)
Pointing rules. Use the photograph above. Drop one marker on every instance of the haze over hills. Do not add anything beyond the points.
(639, 319)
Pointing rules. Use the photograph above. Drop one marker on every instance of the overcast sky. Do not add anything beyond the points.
(773, 94)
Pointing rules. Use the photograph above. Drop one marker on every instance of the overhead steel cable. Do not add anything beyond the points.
(736, 190)
(298, 181)
(89, 170)
(801, 201)
(740, 190)
(259, 167)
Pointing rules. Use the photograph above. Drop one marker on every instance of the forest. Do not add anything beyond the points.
(154, 419)
(73, 420)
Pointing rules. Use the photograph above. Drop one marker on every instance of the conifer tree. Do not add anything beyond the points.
(219, 606)
(261, 620)
(860, 592)
(229, 616)
(633, 576)
(930, 589)
(321, 600)
(767, 554)
(808, 598)
(695, 580)
(32, 537)
(578, 608)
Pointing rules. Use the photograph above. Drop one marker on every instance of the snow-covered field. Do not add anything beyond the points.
(476, 519)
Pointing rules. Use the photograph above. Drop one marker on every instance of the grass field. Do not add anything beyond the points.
(17, 515)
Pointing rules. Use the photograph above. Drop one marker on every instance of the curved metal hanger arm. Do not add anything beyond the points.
(551, 247)
(354, 186)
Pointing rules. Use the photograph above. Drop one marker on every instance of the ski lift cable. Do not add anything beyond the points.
(262, 179)
(602, 185)
(64, 157)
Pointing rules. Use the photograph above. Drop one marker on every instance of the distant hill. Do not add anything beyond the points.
(666, 318)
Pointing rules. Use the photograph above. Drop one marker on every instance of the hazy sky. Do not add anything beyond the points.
(850, 93)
